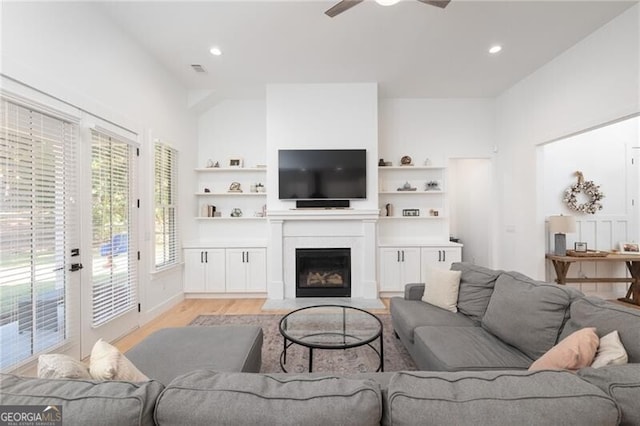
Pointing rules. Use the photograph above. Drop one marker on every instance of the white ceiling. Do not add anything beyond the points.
(410, 49)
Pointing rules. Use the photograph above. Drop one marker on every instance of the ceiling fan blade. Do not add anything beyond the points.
(438, 3)
(341, 7)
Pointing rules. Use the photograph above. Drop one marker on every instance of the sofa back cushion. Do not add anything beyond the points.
(497, 398)
(607, 317)
(84, 401)
(476, 287)
(527, 314)
(205, 397)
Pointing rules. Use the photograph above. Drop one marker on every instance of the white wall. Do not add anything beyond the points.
(437, 129)
(74, 52)
(322, 116)
(594, 82)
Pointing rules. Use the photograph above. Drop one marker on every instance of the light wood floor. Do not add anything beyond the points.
(186, 311)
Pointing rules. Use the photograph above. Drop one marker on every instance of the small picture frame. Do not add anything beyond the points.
(580, 247)
(629, 248)
(410, 212)
(236, 162)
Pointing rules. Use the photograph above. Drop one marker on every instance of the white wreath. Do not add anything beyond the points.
(588, 188)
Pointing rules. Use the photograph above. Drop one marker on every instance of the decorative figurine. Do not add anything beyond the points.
(236, 212)
(406, 161)
(207, 190)
(235, 187)
(209, 163)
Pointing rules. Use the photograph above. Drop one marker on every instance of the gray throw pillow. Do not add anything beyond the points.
(526, 314)
(476, 288)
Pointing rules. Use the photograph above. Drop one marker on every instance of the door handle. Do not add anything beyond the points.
(76, 267)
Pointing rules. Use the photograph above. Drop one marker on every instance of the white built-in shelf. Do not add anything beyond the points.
(229, 218)
(231, 169)
(410, 168)
(232, 194)
(412, 217)
(411, 192)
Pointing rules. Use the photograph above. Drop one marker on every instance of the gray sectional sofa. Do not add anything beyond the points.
(476, 361)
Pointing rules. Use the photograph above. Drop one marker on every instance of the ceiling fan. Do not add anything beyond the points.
(348, 4)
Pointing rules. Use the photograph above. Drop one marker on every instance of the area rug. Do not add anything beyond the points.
(354, 360)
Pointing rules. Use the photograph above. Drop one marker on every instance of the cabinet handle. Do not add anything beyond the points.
(403, 255)
(201, 257)
(439, 255)
(398, 253)
(243, 257)
(444, 255)
(247, 257)
(206, 257)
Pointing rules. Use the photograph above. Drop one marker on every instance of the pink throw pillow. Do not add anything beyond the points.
(573, 353)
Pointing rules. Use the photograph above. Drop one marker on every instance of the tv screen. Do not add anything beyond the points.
(322, 173)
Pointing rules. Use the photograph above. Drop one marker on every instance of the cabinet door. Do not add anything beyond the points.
(399, 266)
(194, 271)
(214, 263)
(389, 276)
(256, 270)
(236, 270)
(411, 270)
(439, 257)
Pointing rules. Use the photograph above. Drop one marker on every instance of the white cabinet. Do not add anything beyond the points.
(219, 270)
(398, 266)
(204, 270)
(246, 270)
(439, 257)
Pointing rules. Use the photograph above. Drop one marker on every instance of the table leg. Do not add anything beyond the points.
(633, 294)
(562, 269)
(310, 360)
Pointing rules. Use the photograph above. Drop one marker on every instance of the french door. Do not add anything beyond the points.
(39, 290)
(110, 300)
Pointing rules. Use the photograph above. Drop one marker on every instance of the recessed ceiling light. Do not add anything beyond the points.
(495, 49)
(387, 2)
(215, 51)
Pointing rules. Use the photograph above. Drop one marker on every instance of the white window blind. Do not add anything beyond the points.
(114, 273)
(166, 232)
(37, 225)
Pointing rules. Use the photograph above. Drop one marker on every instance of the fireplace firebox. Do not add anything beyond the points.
(323, 272)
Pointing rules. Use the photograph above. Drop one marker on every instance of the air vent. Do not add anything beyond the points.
(198, 68)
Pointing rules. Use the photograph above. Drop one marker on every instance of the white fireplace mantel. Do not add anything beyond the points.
(322, 228)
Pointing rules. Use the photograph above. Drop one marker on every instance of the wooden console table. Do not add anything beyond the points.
(562, 263)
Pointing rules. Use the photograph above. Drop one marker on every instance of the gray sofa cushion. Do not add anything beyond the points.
(406, 315)
(464, 348)
(171, 352)
(206, 397)
(606, 317)
(498, 398)
(527, 314)
(622, 383)
(476, 287)
(84, 401)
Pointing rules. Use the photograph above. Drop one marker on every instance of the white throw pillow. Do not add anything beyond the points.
(441, 288)
(60, 366)
(610, 352)
(107, 363)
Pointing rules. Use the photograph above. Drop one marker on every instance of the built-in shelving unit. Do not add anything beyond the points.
(218, 181)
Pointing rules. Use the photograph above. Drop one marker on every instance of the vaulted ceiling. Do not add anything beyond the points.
(411, 49)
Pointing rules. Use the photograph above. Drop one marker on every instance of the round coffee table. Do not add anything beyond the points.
(330, 327)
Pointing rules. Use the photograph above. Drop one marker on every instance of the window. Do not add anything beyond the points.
(37, 222)
(114, 273)
(166, 238)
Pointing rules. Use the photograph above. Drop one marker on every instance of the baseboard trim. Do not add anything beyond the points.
(160, 309)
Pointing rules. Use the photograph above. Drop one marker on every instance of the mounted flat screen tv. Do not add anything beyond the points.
(312, 174)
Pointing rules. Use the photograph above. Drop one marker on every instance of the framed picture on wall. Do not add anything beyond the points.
(629, 248)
